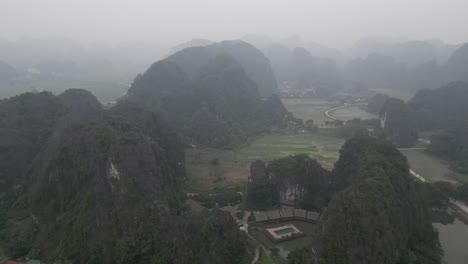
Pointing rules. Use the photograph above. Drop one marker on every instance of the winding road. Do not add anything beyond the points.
(328, 113)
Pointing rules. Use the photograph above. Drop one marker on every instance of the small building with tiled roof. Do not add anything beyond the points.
(313, 216)
(274, 215)
(261, 216)
(300, 213)
(287, 213)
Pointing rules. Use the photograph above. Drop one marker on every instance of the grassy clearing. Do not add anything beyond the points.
(264, 258)
(231, 168)
(432, 168)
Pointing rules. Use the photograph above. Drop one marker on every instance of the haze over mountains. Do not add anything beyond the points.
(407, 65)
(233, 132)
(85, 182)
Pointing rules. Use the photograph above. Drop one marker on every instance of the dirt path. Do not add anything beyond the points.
(256, 256)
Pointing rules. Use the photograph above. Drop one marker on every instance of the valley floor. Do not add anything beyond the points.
(231, 168)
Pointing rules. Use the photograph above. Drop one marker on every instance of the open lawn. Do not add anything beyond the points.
(209, 169)
(309, 108)
(430, 167)
(264, 258)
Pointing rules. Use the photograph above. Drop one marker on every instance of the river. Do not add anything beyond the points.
(454, 241)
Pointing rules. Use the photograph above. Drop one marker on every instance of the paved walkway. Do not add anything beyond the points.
(256, 256)
(461, 206)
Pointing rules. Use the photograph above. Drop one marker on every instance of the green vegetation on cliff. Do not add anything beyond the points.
(103, 187)
(377, 214)
(218, 106)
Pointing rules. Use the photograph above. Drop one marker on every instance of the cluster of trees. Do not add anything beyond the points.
(297, 179)
(82, 184)
(262, 191)
(452, 145)
(438, 194)
(358, 126)
(398, 123)
(442, 111)
(440, 108)
(376, 214)
(372, 210)
(221, 198)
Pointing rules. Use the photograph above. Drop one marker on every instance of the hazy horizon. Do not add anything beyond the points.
(330, 23)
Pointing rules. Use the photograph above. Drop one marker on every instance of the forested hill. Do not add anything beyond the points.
(254, 62)
(444, 112)
(103, 187)
(376, 215)
(456, 68)
(441, 108)
(216, 105)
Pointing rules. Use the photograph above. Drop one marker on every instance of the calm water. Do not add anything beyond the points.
(284, 231)
(454, 240)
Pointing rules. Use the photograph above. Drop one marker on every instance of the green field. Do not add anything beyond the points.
(431, 168)
(232, 166)
(309, 108)
(264, 258)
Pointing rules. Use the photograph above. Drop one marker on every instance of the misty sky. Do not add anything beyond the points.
(336, 23)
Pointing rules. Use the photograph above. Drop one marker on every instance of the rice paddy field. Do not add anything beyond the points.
(210, 169)
(309, 108)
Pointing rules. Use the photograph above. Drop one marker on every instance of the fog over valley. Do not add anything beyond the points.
(233, 132)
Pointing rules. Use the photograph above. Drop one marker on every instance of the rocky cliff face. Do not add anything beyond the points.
(255, 64)
(103, 187)
(217, 104)
(376, 214)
